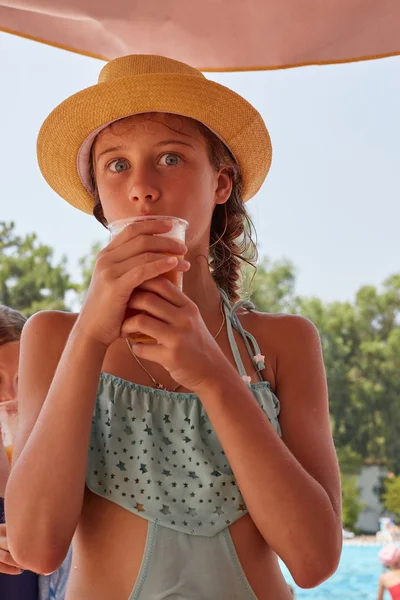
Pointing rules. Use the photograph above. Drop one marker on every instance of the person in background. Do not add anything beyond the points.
(16, 584)
(390, 581)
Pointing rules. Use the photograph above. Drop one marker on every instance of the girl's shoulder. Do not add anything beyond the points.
(58, 323)
(281, 337)
(279, 331)
(47, 331)
(391, 578)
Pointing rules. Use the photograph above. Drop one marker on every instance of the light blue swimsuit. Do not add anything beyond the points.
(156, 454)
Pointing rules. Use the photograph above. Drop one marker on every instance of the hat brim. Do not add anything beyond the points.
(220, 109)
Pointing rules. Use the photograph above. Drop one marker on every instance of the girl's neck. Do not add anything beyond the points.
(201, 288)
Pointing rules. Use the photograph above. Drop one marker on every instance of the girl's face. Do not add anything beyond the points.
(158, 165)
(9, 357)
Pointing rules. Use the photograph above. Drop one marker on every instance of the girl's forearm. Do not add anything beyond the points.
(290, 508)
(45, 491)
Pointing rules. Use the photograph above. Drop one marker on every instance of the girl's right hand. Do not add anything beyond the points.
(135, 255)
(7, 563)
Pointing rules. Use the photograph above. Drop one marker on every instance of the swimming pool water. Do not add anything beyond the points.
(356, 577)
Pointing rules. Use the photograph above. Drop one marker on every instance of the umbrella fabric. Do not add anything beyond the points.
(214, 35)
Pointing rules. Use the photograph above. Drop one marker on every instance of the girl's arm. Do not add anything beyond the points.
(381, 590)
(56, 396)
(58, 379)
(291, 486)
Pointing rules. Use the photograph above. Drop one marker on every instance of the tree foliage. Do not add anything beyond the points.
(351, 503)
(361, 346)
(29, 279)
(86, 264)
(391, 495)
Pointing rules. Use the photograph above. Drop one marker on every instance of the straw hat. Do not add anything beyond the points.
(138, 84)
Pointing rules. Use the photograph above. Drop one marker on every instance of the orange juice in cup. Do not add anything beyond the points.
(8, 425)
(9, 452)
(177, 232)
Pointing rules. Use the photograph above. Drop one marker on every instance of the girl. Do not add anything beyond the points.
(183, 468)
(27, 585)
(390, 581)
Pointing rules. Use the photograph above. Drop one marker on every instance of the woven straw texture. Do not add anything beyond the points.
(139, 84)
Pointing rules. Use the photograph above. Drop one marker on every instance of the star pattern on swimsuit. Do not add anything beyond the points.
(186, 485)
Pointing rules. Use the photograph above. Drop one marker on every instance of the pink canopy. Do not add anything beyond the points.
(212, 35)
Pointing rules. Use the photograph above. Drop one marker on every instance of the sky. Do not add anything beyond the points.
(330, 203)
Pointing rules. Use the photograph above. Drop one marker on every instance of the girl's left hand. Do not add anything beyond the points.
(185, 347)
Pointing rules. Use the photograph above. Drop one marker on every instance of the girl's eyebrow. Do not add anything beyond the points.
(111, 149)
(166, 142)
(158, 145)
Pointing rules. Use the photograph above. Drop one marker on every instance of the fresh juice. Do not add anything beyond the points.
(174, 277)
(8, 426)
(177, 232)
(9, 452)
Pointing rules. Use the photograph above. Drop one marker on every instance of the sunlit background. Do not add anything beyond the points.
(330, 203)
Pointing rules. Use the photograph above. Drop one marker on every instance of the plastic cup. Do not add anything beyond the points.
(178, 232)
(8, 425)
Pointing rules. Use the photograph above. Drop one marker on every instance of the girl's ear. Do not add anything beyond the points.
(224, 186)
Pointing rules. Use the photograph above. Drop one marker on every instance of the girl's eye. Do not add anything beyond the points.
(118, 166)
(170, 160)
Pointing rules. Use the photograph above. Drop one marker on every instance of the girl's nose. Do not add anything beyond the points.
(143, 188)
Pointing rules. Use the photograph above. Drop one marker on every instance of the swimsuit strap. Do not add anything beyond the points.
(251, 344)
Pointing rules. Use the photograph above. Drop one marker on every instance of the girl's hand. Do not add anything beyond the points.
(7, 563)
(185, 347)
(133, 257)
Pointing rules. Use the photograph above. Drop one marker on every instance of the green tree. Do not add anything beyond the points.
(350, 462)
(272, 287)
(374, 374)
(391, 495)
(29, 279)
(86, 264)
(361, 346)
(352, 506)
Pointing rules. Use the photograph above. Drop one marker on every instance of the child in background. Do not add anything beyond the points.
(16, 584)
(390, 581)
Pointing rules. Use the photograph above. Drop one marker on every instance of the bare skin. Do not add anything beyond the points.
(388, 580)
(57, 402)
(101, 569)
